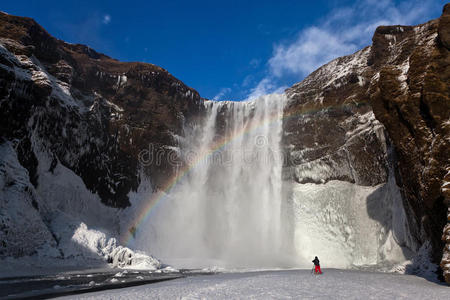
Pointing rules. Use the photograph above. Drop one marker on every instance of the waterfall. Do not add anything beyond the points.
(227, 209)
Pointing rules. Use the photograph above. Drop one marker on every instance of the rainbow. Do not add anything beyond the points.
(157, 197)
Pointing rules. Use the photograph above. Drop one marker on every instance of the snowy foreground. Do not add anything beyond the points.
(299, 284)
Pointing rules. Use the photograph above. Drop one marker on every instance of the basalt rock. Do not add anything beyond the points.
(411, 99)
(342, 118)
(103, 119)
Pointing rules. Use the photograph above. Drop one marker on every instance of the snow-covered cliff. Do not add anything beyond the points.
(72, 125)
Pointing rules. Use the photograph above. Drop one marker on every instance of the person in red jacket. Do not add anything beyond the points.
(317, 264)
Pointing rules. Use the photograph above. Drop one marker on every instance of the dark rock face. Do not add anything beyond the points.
(413, 103)
(329, 122)
(444, 27)
(93, 114)
(402, 81)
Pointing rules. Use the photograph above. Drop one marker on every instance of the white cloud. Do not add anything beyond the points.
(342, 32)
(264, 87)
(313, 47)
(106, 19)
(221, 93)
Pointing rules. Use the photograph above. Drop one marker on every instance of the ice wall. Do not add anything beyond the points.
(346, 205)
(349, 225)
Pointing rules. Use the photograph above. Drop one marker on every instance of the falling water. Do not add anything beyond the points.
(228, 208)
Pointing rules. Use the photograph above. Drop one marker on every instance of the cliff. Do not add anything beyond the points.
(84, 105)
(78, 129)
(413, 104)
(385, 107)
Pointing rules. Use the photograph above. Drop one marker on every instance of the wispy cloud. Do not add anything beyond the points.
(106, 19)
(221, 94)
(264, 87)
(313, 47)
(343, 31)
(247, 80)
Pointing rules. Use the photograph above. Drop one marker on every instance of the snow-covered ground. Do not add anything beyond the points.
(298, 284)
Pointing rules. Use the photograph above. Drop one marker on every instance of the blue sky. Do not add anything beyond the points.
(229, 50)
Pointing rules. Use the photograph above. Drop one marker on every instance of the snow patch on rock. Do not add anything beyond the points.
(22, 230)
(58, 224)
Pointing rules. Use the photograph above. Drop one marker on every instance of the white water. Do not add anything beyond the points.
(233, 209)
(227, 210)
